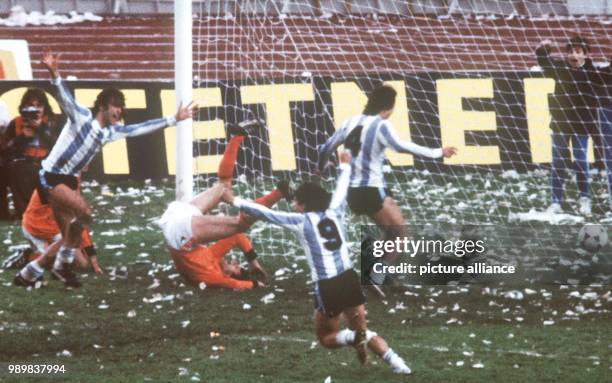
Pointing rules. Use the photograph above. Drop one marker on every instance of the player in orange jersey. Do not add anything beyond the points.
(41, 230)
(198, 263)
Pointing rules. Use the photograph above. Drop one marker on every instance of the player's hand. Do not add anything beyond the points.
(260, 284)
(51, 62)
(345, 157)
(449, 151)
(545, 43)
(185, 112)
(258, 271)
(95, 266)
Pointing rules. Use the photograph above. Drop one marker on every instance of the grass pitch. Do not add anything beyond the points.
(139, 322)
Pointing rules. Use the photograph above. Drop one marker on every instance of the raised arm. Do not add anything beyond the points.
(339, 197)
(332, 143)
(288, 220)
(66, 102)
(543, 56)
(117, 132)
(391, 140)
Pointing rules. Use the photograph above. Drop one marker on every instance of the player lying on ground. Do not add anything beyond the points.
(40, 229)
(367, 136)
(319, 227)
(81, 138)
(198, 263)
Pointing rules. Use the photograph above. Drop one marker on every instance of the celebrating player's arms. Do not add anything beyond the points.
(185, 228)
(367, 136)
(318, 224)
(81, 138)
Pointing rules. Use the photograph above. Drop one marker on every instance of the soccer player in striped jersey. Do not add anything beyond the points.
(81, 138)
(318, 224)
(367, 136)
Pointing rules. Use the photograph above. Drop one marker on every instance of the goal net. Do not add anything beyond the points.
(466, 75)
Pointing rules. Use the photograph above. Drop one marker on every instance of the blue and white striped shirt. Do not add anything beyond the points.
(377, 134)
(82, 136)
(321, 234)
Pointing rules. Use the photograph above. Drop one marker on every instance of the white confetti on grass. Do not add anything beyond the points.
(268, 298)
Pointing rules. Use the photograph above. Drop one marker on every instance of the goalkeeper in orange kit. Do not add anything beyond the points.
(198, 263)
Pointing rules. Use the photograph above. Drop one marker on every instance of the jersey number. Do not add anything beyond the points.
(353, 141)
(329, 231)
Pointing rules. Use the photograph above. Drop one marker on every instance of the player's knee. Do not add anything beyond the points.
(81, 262)
(326, 341)
(73, 233)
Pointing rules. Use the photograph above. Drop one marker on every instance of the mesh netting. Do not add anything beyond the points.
(466, 75)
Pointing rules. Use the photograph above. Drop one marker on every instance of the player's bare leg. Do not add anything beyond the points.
(326, 329)
(330, 336)
(71, 212)
(61, 197)
(355, 317)
(33, 271)
(391, 221)
(210, 198)
(46, 260)
(209, 228)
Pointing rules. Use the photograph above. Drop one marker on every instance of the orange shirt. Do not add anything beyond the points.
(38, 220)
(203, 264)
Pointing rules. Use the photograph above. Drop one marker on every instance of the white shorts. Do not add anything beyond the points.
(40, 245)
(176, 224)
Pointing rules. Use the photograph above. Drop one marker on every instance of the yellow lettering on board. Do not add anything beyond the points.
(454, 121)
(202, 130)
(276, 98)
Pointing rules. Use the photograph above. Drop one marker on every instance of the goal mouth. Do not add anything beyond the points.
(466, 75)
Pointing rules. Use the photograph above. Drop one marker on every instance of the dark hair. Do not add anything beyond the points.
(112, 96)
(36, 94)
(313, 197)
(577, 42)
(381, 98)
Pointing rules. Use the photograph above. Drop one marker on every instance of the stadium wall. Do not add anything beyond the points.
(495, 119)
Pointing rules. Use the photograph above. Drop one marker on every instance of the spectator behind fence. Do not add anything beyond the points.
(573, 107)
(4, 121)
(28, 139)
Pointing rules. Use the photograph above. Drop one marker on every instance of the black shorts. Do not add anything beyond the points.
(335, 294)
(47, 181)
(367, 200)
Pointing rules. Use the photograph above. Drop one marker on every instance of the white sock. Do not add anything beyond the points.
(31, 272)
(345, 337)
(370, 335)
(64, 256)
(391, 357)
